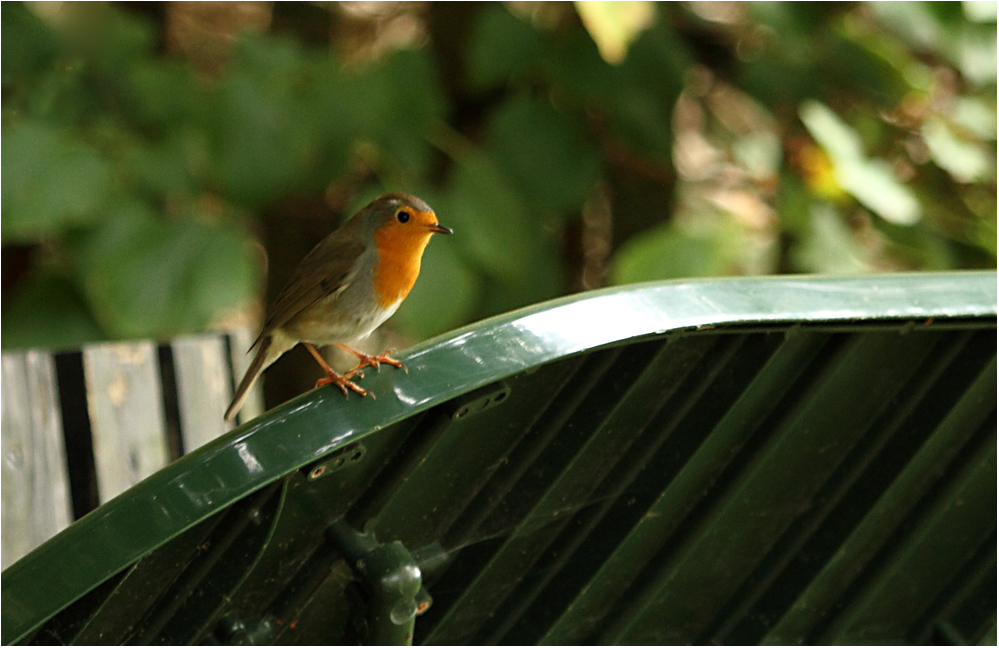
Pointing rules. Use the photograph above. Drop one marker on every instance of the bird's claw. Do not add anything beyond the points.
(375, 361)
(344, 383)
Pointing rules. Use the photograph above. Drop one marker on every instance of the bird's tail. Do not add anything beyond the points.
(266, 354)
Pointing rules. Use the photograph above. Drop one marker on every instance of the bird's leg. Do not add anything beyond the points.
(372, 360)
(332, 377)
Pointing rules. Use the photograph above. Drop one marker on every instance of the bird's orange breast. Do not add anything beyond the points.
(399, 253)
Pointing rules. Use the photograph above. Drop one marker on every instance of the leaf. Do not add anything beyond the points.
(615, 25)
(832, 133)
(965, 161)
(874, 185)
(490, 219)
(871, 182)
(163, 94)
(29, 46)
(980, 10)
(50, 182)
(48, 311)
(265, 123)
(545, 152)
(829, 246)
(667, 252)
(976, 54)
(263, 149)
(501, 47)
(146, 278)
(975, 116)
(404, 103)
(794, 204)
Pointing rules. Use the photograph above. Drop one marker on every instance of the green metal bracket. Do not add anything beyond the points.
(387, 573)
(392, 580)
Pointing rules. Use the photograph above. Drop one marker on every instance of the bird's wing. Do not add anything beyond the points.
(327, 269)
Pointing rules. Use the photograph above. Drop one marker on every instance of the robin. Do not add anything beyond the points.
(350, 283)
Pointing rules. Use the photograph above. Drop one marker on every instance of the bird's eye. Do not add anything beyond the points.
(402, 216)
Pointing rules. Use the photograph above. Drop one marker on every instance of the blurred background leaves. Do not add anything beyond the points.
(165, 165)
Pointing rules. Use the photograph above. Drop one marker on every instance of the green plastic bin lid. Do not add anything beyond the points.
(781, 460)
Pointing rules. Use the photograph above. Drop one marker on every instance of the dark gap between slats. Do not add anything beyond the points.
(200, 612)
(730, 475)
(451, 585)
(507, 481)
(214, 549)
(535, 463)
(63, 628)
(231, 368)
(624, 495)
(141, 587)
(295, 597)
(423, 433)
(962, 604)
(230, 372)
(585, 551)
(171, 401)
(609, 383)
(905, 529)
(491, 493)
(76, 430)
(849, 493)
(976, 613)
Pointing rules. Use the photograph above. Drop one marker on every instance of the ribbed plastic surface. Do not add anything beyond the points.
(779, 483)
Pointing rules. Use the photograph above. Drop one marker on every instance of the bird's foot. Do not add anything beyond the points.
(344, 382)
(375, 361)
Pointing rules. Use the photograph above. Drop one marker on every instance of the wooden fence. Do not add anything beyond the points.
(80, 427)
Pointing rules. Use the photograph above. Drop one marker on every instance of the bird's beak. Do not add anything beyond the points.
(437, 228)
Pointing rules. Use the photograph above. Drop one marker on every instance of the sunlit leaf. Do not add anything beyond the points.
(871, 182)
(615, 25)
(963, 160)
(874, 185)
(976, 54)
(980, 10)
(975, 116)
(831, 132)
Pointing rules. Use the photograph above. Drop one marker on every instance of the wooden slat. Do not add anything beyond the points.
(36, 500)
(203, 388)
(126, 414)
(241, 359)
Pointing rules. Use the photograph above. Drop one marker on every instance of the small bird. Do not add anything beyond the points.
(350, 283)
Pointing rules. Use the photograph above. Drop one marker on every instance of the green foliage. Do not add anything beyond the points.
(781, 137)
(50, 182)
(544, 153)
(669, 253)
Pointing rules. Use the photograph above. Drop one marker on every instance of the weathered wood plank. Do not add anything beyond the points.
(204, 388)
(125, 402)
(241, 341)
(36, 499)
